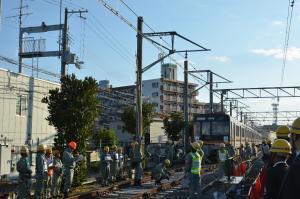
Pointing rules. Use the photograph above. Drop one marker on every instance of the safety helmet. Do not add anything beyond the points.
(264, 141)
(281, 146)
(55, 152)
(134, 143)
(119, 150)
(282, 131)
(72, 145)
(195, 145)
(222, 145)
(106, 149)
(241, 146)
(24, 150)
(247, 143)
(200, 142)
(49, 150)
(296, 126)
(114, 147)
(41, 148)
(269, 142)
(167, 162)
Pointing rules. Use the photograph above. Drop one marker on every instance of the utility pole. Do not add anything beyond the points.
(230, 108)
(185, 105)
(65, 52)
(139, 71)
(64, 45)
(211, 92)
(20, 36)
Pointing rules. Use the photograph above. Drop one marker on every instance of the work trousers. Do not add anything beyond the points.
(24, 188)
(195, 186)
(69, 174)
(56, 184)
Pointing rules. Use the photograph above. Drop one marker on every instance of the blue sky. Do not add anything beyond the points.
(245, 37)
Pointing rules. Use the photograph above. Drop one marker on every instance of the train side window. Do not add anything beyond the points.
(237, 131)
(243, 133)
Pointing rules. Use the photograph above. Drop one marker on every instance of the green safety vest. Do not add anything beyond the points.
(196, 163)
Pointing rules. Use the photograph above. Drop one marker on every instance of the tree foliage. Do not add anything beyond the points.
(173, 125)
(129, 118)
(107, 136)
(72, 111)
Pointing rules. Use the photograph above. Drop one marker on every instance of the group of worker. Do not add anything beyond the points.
(283, 168)
(50, 170)
(112, 164)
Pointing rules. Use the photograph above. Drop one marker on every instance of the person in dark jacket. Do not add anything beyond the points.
(25, 172)
(291, 184)
(280, 151)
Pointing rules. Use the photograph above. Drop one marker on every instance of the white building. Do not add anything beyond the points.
(22, 114)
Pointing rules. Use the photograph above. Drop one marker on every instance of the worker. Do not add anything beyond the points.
(57, 174)
(193, 171)
(253, 149)
(265, 151)
(280, 150)
(69, 163)
(137, 164)
(222, 157)
(25, 172)
(242, 151)
(291, 184)
(41, 171)
(49, 161)
(248, 151)
(156, 156)
(121, 163)
(231, 150)
(160, 172)
(170, 152)
(269, 143)
(114, 164)
(106, 161)
(282, 132)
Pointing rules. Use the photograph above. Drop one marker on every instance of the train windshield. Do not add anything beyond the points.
(212, 126)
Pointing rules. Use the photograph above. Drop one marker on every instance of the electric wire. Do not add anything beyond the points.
(287, 37)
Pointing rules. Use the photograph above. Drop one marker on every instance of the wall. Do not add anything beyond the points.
(22, 114)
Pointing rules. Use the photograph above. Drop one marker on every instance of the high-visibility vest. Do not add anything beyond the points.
(196, 163)
(223, 155)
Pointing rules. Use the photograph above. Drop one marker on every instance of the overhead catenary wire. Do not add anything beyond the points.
(287, 37)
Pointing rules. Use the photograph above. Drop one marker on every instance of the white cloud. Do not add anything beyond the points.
(222, 59)
(277, 23)
(293, 53)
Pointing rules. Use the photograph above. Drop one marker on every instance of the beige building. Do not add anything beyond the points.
(22, 114)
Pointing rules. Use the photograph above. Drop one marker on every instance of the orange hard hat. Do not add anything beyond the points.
(72, 145)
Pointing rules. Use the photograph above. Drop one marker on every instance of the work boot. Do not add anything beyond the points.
(66, 194)
(135, 182)
(139, 183)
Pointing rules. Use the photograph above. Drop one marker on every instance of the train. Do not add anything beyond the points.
(216, 128)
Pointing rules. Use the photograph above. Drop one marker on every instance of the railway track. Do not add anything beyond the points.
(125, 190)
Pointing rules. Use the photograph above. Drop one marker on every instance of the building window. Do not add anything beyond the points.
(21, 105)
(155, 85)
(155, 94)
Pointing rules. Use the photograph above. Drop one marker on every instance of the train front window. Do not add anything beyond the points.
(205, 128)
(220, 128)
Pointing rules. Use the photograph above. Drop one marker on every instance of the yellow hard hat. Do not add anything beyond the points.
(167, 162)
(282, 131)
(269, 142)
(49, 150)
(55, 152)
(41, 148)
(281, 146)
(24, 150)
(106, 148)
(296, 126)
(195, 145)
(113, 147)
(119, 150)
(200, 142)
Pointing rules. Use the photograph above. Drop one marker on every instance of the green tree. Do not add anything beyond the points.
(129, 118)
(107, 136)
(72, 111)
(173, 125)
